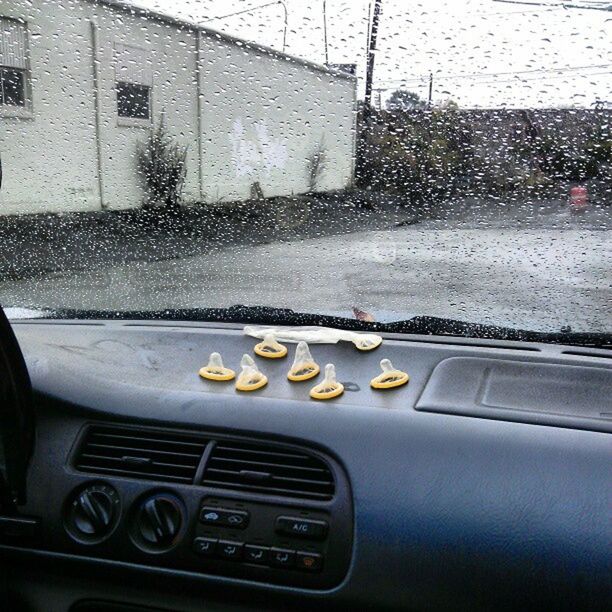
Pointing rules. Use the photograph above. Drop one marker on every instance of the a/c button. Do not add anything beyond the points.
(301, 528)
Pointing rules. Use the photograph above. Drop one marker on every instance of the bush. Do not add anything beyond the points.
(425, 154)
(569, 159)
(162, 163)
(316, 164)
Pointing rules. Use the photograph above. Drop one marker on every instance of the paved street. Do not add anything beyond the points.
(551, 273)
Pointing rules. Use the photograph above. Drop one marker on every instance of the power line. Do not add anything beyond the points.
(541, 78)
(258, 8)
(511, 81)
(564, 5)
(453, 77)
(512, 72)
(530, 11)
(249, 10)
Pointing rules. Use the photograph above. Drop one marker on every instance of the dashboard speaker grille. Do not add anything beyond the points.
(140, 453)
(268, 469)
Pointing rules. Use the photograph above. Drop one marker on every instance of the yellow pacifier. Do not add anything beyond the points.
(215, 369)
(250, 379)
(270, 348)
(304, 366)
(330, 387)
(390, 377)
(367, 342)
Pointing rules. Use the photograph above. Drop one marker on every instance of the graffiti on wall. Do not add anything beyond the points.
(256, 151)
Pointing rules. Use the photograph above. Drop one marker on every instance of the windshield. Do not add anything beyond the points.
(378, 160)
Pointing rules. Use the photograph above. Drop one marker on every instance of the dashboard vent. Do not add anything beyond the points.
(268, 469)
(140, 453)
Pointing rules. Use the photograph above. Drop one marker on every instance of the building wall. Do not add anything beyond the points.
(49, 156)
(170, 55)
(263, 120)
(259, 118)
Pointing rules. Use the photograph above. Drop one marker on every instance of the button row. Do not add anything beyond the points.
(293, 526)
(237, 519)
(262, 555)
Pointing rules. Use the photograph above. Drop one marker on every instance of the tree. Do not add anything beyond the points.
(403, 100)
(162, 164)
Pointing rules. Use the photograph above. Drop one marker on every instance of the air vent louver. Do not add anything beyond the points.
(140, 453)
(268, 469)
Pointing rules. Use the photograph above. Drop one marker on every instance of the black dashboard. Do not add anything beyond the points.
(482, 484)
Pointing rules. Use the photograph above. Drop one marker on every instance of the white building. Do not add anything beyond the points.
(82, 81)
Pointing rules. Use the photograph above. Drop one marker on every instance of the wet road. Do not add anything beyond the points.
(541, 276)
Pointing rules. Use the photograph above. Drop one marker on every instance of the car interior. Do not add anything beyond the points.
(130, 482)
(197, 455)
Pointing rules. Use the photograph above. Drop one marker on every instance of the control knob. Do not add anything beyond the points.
(92, 512)
(158, 521)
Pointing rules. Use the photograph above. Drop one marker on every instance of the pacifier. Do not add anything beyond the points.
(270, 348)
(304, 366)
(330, 387)
(250, 379)
(390, 377)
(215, 370)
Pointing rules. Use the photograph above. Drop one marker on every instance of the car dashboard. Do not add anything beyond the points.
(484, 483)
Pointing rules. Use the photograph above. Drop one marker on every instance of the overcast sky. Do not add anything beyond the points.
(547, 56)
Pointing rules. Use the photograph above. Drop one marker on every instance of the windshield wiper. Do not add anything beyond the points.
(421, 325)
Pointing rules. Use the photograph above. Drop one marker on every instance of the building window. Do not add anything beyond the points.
(13, 63)
(134, 84)
(134, 101)
(12, 87)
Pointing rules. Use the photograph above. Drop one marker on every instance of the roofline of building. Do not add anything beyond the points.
(140, 11)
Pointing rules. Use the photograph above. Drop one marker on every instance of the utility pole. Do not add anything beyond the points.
(379, 93)
(367, 109)
(368, 28)
(286, 15)
(325, 31)
(430, 90)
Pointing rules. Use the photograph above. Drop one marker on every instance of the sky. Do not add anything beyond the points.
(482, 53)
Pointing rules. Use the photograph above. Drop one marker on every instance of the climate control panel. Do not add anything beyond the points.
(264, 511)
(303, 544)
(262, 535)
